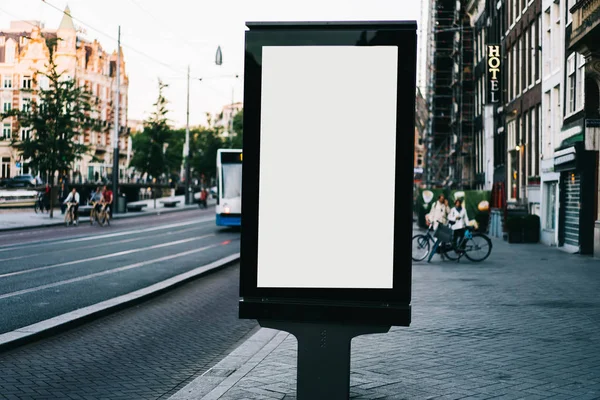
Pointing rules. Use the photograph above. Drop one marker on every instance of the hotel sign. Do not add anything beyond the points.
(493, 74)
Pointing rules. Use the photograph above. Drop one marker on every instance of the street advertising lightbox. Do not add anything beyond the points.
(328, 169)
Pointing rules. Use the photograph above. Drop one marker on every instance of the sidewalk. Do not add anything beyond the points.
(24, 218)
(524, 324)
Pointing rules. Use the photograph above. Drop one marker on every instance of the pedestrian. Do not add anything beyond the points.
(203, 196)
(459, 220)
(439, 212)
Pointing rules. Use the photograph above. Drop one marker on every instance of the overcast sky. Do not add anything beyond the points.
(160, 38)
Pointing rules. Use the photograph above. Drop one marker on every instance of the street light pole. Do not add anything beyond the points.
(115, 177)
(187, 144)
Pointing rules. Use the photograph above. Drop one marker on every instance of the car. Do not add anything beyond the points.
(28, 181)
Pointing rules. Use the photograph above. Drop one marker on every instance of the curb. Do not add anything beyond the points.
(118, 217)
(60, 323)
(219, 379)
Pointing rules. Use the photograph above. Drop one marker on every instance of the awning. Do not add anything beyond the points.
(580, 137)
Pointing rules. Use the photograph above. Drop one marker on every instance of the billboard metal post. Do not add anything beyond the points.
(318, 96)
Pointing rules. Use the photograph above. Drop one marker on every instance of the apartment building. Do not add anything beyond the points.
(576, 156)
(23, 54)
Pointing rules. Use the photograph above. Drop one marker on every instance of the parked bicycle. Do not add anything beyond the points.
(475, 246)
(40, 203)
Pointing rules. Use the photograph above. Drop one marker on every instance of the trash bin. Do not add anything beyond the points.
(121, 204)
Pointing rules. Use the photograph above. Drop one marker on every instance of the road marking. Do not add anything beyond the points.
(121, 253)
(103, 273)
(101, 245)
(109, 235)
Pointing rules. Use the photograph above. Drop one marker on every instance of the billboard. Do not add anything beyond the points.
(329, 107)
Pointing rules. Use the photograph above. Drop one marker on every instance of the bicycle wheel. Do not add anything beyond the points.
(36, 207)
(68, 218)
(420, 247)
(449, 251)
(478, 248)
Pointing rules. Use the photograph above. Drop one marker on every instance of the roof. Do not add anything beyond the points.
(67, 21)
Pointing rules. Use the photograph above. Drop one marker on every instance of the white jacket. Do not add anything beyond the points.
(70, 198)
(460, 219)
(439, 212)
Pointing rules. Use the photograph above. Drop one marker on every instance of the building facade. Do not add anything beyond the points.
(23, 55)
(577, 157)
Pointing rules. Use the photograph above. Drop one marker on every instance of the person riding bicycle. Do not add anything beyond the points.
(73, 197)
(107, 198)
(96, 200)
(459, 220)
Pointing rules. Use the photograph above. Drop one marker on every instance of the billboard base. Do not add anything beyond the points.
(323, 356)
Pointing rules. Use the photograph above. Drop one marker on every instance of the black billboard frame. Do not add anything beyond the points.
(358, 306)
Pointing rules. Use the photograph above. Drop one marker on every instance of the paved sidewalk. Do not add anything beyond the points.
(24, 218)
(524, 324)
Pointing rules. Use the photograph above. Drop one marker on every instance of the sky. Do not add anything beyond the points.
(161, 38)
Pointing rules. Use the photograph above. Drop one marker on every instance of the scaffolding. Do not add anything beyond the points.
(450, 97)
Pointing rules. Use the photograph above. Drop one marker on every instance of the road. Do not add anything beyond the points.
(146, 351)
(51, 271)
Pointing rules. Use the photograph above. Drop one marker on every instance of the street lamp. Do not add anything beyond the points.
(186, 147)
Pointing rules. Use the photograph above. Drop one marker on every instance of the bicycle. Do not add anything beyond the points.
(422, 243)
(103, 216)
(447, 247)
(70, 214)
(39, 203)
(93, 214)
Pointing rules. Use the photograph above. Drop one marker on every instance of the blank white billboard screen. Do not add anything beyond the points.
(327, 167)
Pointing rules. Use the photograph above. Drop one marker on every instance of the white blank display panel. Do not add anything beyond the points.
(327, 167)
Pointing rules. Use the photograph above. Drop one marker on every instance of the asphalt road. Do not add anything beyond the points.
(149, 351)
(50, 271)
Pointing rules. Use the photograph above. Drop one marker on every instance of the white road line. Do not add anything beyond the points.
(100, 245)
(109, 235)
(121, 253)
(108, 272)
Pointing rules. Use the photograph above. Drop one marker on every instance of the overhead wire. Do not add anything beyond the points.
(171, 67)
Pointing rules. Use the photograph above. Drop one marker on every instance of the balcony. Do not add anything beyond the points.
(586, 18)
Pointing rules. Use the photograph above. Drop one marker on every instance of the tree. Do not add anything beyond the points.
(58, 117)
(237, 141)
(204, 145)
(150, 145)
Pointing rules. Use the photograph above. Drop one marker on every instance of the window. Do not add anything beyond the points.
(10, 51)
(26, 105)
(526, 60)
(26, 82)
(571, 84)
(5, 167)
(7, 83)
(25, 134)
(510, 76)
(580, 91)
(538, 49)
(570, 3)
(6, 130)
(7, 106)
(533, 59)
(550, 205)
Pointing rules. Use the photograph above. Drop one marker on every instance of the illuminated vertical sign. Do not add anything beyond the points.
(493, 74)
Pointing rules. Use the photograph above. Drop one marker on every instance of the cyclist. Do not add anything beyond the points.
(459, 220)
(107, 198)
(96, 201)
(73, 197)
